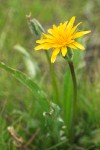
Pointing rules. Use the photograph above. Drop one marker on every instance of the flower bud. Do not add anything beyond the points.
(69, 55)
(34, 25)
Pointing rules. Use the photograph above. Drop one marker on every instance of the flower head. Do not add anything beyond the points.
(60, 38)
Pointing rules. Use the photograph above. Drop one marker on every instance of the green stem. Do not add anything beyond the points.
(37, 29)
(54, 82)
(72, 127)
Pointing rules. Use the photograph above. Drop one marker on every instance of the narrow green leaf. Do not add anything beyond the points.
(33, 87)
(67, 99)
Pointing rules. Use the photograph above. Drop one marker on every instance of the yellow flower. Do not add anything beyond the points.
(60, 38)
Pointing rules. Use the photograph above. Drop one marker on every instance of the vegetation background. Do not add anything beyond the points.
(18, 107)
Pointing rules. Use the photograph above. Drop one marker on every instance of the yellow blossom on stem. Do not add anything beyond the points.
(60, 38)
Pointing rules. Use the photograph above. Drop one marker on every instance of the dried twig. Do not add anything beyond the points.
(18, 141)
(32, 138)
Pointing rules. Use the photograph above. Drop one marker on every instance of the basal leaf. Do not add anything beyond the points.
(33, 87)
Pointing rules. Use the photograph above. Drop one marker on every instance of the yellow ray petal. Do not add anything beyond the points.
(56, 51)
(54, 54)
(53, 58)
(55, 28)
(71, 22)
(43, 46)
(69, 26)
(64, 51)
(79, 34)
(70, 41)
(75, 27)
(50, 31)
(54, 33)
(44, 41)
(60, 24)
(64, 25)
(48, 36)
(62, 28)
(78, 45)
(72, 46)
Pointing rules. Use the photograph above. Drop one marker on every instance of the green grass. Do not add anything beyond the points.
(21, 106)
